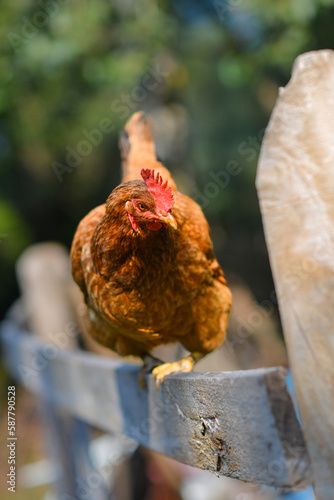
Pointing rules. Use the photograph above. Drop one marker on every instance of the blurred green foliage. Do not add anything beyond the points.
(69, 66)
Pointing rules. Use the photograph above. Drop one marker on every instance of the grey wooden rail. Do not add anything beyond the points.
(239, 424)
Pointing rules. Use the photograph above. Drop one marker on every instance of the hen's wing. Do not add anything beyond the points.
(82, 237)
(103, 331)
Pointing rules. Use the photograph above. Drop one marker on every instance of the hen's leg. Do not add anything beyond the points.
(182, 365)
(149, 364)
(211, 313)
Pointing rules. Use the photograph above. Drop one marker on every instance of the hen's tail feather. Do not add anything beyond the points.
(138, 150)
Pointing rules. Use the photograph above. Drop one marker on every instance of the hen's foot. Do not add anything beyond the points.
(149, 363)
(183, 365)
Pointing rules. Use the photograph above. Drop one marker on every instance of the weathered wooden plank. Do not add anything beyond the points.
(67, 445)
(44, 277)
(295, 183)
(238, 424)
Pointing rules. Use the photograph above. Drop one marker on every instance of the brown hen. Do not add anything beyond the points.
(145, 264)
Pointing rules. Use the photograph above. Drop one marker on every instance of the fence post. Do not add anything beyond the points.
(44, 278)
(295, 184)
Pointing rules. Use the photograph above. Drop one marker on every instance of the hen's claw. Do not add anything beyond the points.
(183, 365)
(149, 363)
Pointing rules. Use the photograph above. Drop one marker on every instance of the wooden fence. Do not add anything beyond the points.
(239, 424)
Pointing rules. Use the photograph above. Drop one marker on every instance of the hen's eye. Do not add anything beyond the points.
(142, 207)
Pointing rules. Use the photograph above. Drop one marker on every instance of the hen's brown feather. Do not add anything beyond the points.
(149, 287)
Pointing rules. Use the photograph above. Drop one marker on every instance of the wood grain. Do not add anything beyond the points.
(44, 277)
(240, 424)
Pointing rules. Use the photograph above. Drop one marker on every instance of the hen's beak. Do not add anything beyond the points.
(167, 220)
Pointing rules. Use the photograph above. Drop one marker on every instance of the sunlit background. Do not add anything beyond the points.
(72, 72)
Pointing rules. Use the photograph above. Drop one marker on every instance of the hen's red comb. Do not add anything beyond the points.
(163, 196)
